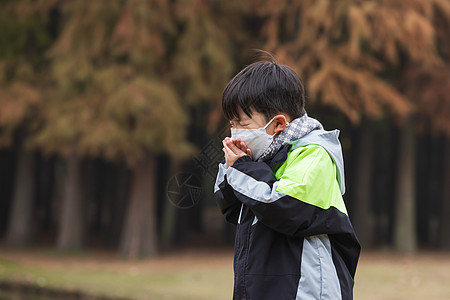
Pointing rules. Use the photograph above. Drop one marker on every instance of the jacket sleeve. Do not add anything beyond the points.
(303, 201)
(225, 197)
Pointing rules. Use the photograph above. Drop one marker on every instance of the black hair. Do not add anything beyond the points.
(265, 87)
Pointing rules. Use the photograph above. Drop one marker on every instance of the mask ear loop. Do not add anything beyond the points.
(268, 123)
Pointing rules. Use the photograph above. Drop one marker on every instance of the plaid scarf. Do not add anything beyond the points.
(295, 130)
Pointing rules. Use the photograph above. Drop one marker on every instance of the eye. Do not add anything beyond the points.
(235, 123)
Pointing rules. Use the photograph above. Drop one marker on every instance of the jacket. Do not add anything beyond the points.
(294, 239)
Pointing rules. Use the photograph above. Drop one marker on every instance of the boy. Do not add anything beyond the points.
(281, 184)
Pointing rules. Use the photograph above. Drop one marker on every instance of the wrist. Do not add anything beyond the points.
(243, 158)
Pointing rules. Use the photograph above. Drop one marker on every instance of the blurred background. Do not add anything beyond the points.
(110, 114)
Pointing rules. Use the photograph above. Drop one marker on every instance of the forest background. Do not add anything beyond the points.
(110, 115)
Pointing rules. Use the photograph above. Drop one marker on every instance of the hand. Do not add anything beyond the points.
(234, 149)
(238, 143)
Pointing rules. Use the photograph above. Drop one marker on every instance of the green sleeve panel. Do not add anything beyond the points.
(309, 174)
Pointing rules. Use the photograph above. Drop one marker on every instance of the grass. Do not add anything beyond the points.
(398, 277)
(187, 276)
(209, 275)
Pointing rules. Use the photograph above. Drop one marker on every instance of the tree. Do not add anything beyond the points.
(430, 89)
(444, 232)
(23, 40)
(123, 79)
(103, 102)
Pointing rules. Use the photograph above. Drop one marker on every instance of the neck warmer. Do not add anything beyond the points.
(295, 130)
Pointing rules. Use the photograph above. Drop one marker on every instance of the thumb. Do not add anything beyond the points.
(249, 152)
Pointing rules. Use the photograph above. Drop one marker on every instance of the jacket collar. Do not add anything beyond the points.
(280, 156)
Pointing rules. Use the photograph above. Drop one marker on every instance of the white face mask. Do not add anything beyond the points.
(258, 140)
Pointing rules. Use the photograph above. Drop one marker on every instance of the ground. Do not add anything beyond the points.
(208, 274)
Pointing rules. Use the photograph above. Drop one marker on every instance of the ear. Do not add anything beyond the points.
(280, 123)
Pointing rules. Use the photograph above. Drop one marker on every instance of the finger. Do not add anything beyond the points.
(227, 145)
(249, 152)
(227, 150)
(234, 148)
(237, 143)
(228, 154)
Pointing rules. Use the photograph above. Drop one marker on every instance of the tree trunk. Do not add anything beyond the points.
(168, 225)
(72, 221)
(7, 167)
(170, 212)
(20, 226)
(405, 239)
(444, 234)
(122, 190)
(45, 182)
(139, 237)
(362, 217)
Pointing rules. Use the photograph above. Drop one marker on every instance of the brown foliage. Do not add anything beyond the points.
(355, 54)
(125, 74)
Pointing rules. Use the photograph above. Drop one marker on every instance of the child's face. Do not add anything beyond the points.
(258, 120)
